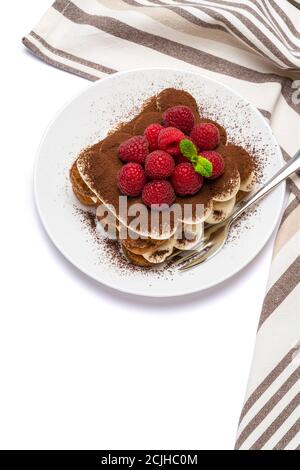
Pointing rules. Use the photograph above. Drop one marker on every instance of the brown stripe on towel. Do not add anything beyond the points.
(174, 49)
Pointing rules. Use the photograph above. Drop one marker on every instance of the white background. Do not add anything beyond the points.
(82, 366)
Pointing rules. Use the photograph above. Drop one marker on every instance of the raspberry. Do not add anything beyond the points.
(180, 159)
(159, 165)
(217, 162)
(131, 179)
(158, 192)
(168, 140)
(185, 180)
(134, 149)
(205, 136)
(151, 134)
(180, 117)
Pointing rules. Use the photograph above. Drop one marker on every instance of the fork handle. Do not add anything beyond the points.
(290, 167)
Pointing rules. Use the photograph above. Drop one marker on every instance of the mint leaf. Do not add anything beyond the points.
(189, 150)
(201, 164)
(204, 167)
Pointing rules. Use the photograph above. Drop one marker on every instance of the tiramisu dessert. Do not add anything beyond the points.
(167, 156)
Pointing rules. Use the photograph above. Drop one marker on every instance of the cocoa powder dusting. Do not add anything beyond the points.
(237, 154)
(173, 97)
(102, 165)
(228, 181)
(102, 168)
(145, 120)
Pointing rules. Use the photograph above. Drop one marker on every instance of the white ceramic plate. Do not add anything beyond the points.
(88, 118)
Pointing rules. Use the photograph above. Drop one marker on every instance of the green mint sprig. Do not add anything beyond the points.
(201, 165)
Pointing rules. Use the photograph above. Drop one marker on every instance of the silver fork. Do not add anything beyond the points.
(216, 235)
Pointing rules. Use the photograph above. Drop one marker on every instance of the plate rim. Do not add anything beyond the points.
(148, 294)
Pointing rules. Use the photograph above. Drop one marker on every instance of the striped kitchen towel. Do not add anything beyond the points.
(254, 47)
(270, 418)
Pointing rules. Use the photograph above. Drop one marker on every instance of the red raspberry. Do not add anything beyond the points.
(158, 192)
(151, 134)
(159, 165)
(168, 140)
(217, 162)
(205, 136)
(180, 159)
(131, 179)
(180, 117)
(185, 180)
(134, 149)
